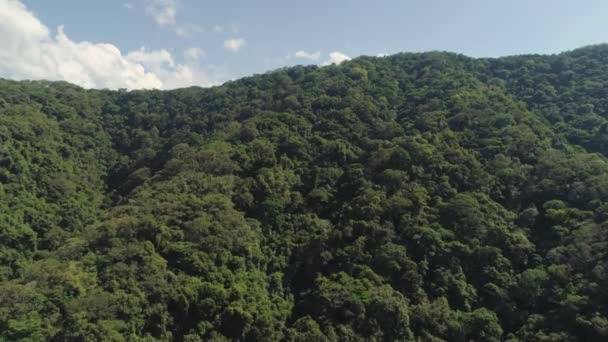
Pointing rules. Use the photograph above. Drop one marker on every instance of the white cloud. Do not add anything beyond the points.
(194, 54)
(156, 59)
(163, 11)
(336, 57)
(128, 5)
(234, 45)
(232, 29)
(312, 56)
(186, 75)
(187, 30)
(181, 31)
(30, 51)
(173, 75)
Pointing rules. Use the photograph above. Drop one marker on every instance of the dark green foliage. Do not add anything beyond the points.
(418, 197)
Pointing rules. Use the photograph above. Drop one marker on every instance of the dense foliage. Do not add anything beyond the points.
(417, 197)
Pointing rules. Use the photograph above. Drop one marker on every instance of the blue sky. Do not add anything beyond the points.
(182, 42)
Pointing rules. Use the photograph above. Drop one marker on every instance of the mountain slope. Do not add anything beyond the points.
(415, 197)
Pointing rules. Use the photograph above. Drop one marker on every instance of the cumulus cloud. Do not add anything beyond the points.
(31, 51)
(172, 74)
(158, 58)
(307, 55)
(163, 11)
(234, 45)
(336, 57)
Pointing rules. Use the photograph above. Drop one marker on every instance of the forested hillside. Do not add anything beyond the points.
(416, 197)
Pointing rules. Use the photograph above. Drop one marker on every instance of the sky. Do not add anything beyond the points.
(170, 44)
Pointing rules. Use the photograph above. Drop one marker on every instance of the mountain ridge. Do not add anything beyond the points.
(427, 196)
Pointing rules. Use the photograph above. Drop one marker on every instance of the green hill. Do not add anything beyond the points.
(416, 197)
